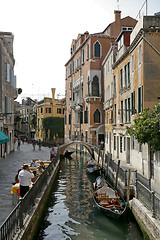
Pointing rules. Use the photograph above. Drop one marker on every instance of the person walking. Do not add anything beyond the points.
(19, 144)
(40, 144)
(34, 144)
(25, 177)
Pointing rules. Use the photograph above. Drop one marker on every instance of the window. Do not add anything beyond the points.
(87, 50)
(69, 118)
(5, 69)
(133, 143)
(97, 48)
(6, 105)
(125, 75)
(86, 115)
(121, 111)
(121, 78)
(95, 86)
(132, 61)
(129, 110)
(140, 99)
(97, 116)
(121, 144)
(133, 103)
(114, 82)
(81, 117)
(83, 55)
(65, 119)
(48, 110)
(86, 136)
(128, 67)
(58, 110)
(126, 110)
(88, 86)
(73, 66)
(139, 54)
(115, 117)
(41, 110)
(114, 142)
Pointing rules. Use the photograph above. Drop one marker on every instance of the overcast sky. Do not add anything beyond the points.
(43, 31)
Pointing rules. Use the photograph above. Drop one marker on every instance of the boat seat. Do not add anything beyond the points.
(102, 196)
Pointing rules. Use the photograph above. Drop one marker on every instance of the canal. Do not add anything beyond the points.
(72, 213)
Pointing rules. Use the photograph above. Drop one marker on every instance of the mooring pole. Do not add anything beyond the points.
(128, 188)
(117, 174)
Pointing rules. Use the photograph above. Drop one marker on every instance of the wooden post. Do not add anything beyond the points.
(117, 174)
(99, 153)
(128, 188)
(103, 160)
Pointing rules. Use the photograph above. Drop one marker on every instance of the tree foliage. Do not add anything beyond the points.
(55, 125)
(146, 128)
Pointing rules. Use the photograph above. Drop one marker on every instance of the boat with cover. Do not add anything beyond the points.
(68, 154)
(107, 199)
(92, 166)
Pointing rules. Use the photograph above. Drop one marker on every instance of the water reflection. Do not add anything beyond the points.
(72, 214)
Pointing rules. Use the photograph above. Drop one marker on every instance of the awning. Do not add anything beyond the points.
(3, 138)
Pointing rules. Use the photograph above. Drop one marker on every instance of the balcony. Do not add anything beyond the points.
(108, 104)
(78, 102)
(89, 96)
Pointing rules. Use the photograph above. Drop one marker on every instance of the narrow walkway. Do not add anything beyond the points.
(8, 170)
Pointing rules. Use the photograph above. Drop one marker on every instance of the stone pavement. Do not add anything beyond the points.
(8, 170)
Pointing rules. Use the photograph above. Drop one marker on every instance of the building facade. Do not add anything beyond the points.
(48, 107)
(8, 91)
(84, 115)
(135, 76)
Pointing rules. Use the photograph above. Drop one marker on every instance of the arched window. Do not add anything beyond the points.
(97, 49)
(97, 116)
(88, 87)
(95, 86)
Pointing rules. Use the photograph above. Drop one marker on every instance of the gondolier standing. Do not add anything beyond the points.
(25, 177)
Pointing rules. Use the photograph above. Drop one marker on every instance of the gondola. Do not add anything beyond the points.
(68, 154)
(107, 199)
(92, 166)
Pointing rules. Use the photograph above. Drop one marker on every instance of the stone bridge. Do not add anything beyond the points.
(63, 147)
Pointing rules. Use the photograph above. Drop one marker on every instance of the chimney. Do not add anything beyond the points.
(117, 15)
(53, 93)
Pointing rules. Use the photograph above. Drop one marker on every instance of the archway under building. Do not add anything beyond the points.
(101, 133)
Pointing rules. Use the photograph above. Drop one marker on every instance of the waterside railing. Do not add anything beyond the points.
(17, 219)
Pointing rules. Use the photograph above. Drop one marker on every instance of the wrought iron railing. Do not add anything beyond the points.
(20, 214)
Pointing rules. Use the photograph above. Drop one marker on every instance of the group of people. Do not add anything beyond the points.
(25, 176)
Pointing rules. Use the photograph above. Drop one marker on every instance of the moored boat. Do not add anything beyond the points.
(68, 154)
(92, 166)
(109, 201)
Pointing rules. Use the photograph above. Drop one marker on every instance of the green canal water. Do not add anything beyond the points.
(72, 213)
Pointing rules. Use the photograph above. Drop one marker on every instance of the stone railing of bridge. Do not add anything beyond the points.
(89, 147)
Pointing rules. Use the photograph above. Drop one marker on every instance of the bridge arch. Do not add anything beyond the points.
(63, 147)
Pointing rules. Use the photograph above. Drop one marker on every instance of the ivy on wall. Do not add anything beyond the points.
(53, 127)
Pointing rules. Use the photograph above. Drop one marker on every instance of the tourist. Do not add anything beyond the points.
(42, 165)
(24, 178)
(34, 163)
(52, 153)
(19, 144)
